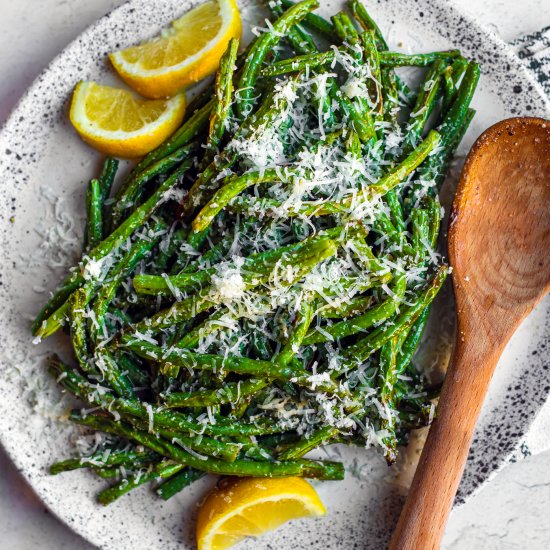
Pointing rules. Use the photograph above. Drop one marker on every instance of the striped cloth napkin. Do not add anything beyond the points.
(534, 50)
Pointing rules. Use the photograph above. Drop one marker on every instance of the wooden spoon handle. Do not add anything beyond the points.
(424, 516)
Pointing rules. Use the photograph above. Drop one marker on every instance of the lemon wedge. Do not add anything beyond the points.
(116, 122)
(247, 507)
(186, 52)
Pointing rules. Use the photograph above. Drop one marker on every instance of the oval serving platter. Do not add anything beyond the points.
(43, 167)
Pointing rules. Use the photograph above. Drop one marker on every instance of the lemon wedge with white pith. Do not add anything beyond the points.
(248, 507)
(118, 123)
(186, 52)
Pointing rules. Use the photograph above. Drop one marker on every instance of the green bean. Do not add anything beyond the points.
(449, 89)
(372, 58)
(77, 385)
(94, 214)
(357, 112)
(209, 258)
(262, 47)
(57, 318)
(387, 59)
(134, 369)
(420, 230)
(190, 129)
(170, 487)
(167, 250)
(388, 377)
(41, 328)
(251, 449)
(457, 138)
(90, 287)
(119, 317)
(181, 311)
(395, 59)
(454, 75)
(163, 470)
(234, 186)
(404, 93)
(137, 252)
(403, 390)
(206, 183)
(201, 444)
(433, 209)
(104, 459)
(302, 467)
(298, 63)
(411, 343)
(297, 450)
(107, 177)
(301, 326)
(192, 338)
(365, 20)
(196, 239)
(390, 96)
(115, 378)
(388, 372)
(401, 171)
(134, 187)
(369, 319)
(111, 473)
(353, 144)
(238, 365)
(315, 22)
(76, 305)
(459, 109)
(425, 103)
(277, 442)
(370, 262)
(396, 238)
(458, 67)
(222, 104)
(299, 39)
(230, 392)
(254, 266)
(351, 31)
(376, 339)
(414, 421)
(239, 408)
(396, 210)
(104, 364)
(67, 287)
(344, 27)
(354, 307)
(393, 178)
(163, 285)
(454, 126)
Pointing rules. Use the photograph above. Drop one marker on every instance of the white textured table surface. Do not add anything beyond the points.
(510, 513)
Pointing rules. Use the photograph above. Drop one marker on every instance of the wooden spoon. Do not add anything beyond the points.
(499, 247)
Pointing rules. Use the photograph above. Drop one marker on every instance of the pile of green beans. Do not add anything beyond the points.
(259, 284)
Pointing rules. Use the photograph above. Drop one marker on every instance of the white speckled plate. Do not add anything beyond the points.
(43, 166)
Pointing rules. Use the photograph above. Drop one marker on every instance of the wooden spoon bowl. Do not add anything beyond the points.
(499, 247)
